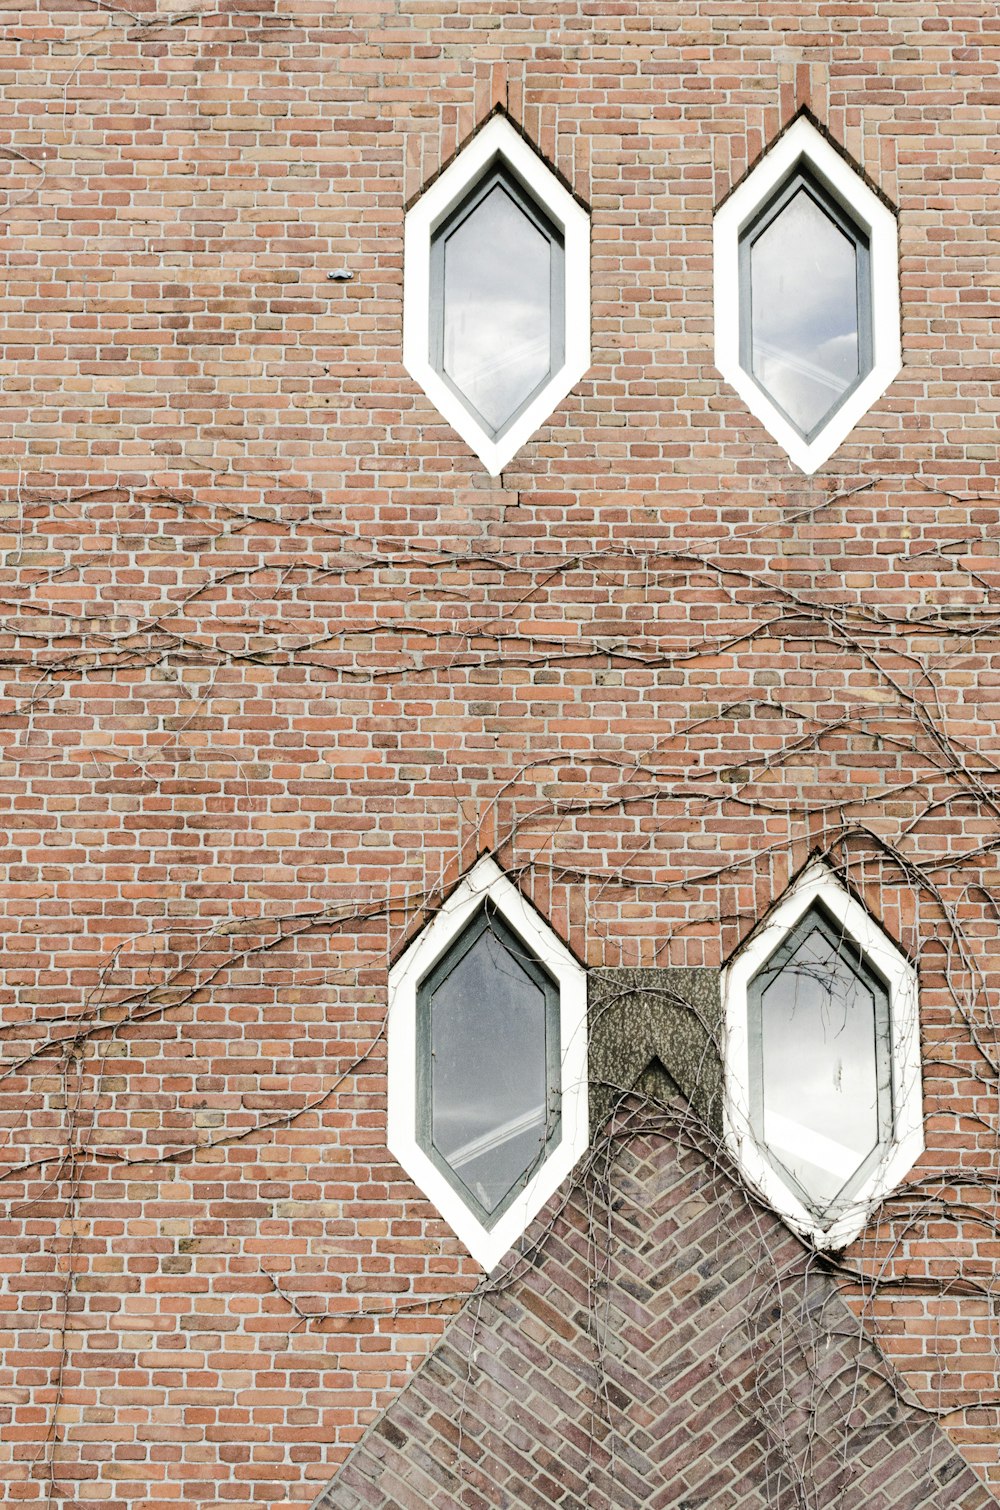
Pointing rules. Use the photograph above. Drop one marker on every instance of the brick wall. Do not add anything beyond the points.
(279, 660)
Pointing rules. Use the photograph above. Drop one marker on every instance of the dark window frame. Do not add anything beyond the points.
(802, 177)
(818, 915)
(498, 172)
(487, 919)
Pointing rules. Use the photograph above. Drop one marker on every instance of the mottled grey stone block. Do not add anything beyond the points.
(657, 1033)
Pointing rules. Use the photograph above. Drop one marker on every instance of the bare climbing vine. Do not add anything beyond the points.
(921, 824)
(893, 775)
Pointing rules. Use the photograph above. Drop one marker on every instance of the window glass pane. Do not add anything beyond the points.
(488, 1070)
(497, 307)
(820, 1057)
(804, 311)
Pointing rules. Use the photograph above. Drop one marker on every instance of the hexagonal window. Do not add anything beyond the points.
(806, 303)
(824, 1108)
(496, 323)
(487, 1062)
(820, 1062)
(497, 300)
(806, 294)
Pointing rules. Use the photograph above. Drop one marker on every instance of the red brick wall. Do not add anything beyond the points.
(279, 659)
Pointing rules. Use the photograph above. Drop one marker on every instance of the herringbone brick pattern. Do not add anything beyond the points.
(669, 1346)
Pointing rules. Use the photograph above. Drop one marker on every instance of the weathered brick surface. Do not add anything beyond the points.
(277, 660)
(669, 1348)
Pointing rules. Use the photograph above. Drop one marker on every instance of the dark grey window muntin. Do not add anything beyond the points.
(819, 917)
(497, 173)
(801, 177)
(487, 919)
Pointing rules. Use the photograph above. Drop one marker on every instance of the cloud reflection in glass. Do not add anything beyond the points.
(497, 307)
(804, 312)
(497, 281)
(821, 1071)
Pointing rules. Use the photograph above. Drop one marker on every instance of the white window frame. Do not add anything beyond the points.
(803, 146)
(817, 883)
(498, 140)
(486, 882)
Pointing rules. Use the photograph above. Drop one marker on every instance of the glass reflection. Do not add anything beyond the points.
(488, 1070)
(497, 307)
(804, 311)
(820, 1057)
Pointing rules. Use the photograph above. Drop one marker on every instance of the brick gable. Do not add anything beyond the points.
(667, 1346)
